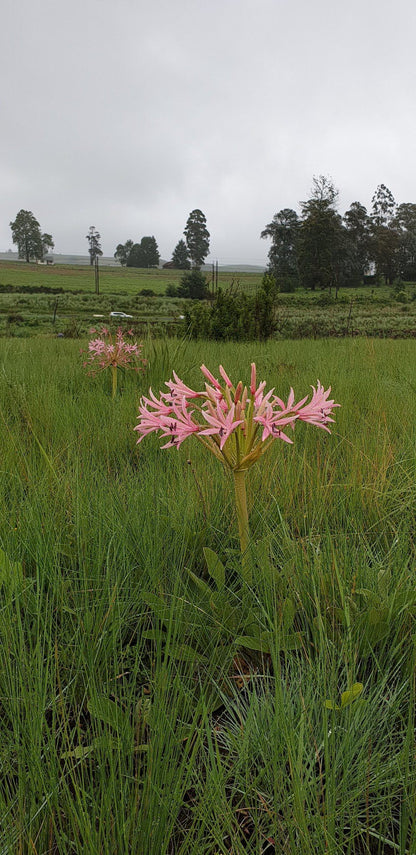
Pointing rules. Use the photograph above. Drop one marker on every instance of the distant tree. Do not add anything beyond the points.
(193, 285)
(324, 190)
(180, 256)
(385, 234)
(405, 223)
(386, 251)
(284, 233)
(26, 233)
(94, 238)
(384, 206)
(144, 254)
(358, 234)
(321, 244)
(47, 243)
(150, 251)
(135, 256)
(122, 252)
(197, 238)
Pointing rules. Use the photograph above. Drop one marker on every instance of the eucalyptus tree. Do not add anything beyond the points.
(321, 243)
(123, 251)
(385, 234)
(94, 240)
(359, 246)
(405, 223)
(284, 233)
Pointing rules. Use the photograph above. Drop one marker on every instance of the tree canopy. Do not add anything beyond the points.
(144, 254)
(180, 256)
(26, 233)
(197, 237)
(405, 224)
(321, 249)
(320, 244)
(94, 240)
(123, 251)
(284, 232)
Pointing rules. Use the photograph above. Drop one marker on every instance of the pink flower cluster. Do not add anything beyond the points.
(235, 422)
(108, 351)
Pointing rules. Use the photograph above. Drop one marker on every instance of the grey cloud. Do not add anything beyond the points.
(129, 115)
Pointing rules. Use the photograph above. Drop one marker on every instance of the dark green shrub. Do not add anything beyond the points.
(234, 316)
(401, 297)
(286, 284)
(171, 291)
(193, 285)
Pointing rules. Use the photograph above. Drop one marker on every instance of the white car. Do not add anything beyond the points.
(119, 315)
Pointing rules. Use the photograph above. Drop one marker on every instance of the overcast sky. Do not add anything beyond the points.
(127, 114)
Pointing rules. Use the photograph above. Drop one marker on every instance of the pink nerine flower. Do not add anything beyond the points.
(107, 351)
(318, 411)
(223, 423)
(242, 422)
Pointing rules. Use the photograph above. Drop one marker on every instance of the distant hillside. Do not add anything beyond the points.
(59, 258)
(237, 268)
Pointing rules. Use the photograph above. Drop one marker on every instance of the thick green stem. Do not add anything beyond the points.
(114, 380)
(242, 517)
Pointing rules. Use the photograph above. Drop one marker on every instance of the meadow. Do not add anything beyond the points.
(112, 280)
(61, 300)
(151, 701)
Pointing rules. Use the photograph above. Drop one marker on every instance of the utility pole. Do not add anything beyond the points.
(97, 275)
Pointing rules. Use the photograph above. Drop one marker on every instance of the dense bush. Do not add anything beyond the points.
(193, 285)
(235, 316)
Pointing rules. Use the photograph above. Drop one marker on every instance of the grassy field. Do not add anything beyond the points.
(149, 707)
(61, 300)
(113, 280)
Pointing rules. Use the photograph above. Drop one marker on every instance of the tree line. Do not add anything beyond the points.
(33, 245)
(318, 249)
(322, 249)
(189, 252)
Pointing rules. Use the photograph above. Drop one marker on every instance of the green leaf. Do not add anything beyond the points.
(288, 613)
(110, 713)
(293, 641)
(206, 590)
(79, 752)
(263, 560)
(185, 653)
(351, 694)
(331, 705)
(252, 643)
(153, 634)
(158, 606)
(347, 697)
(215, 567)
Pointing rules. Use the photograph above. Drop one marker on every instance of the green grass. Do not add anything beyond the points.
(132, 718)
(69, 305)
(113, 280)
